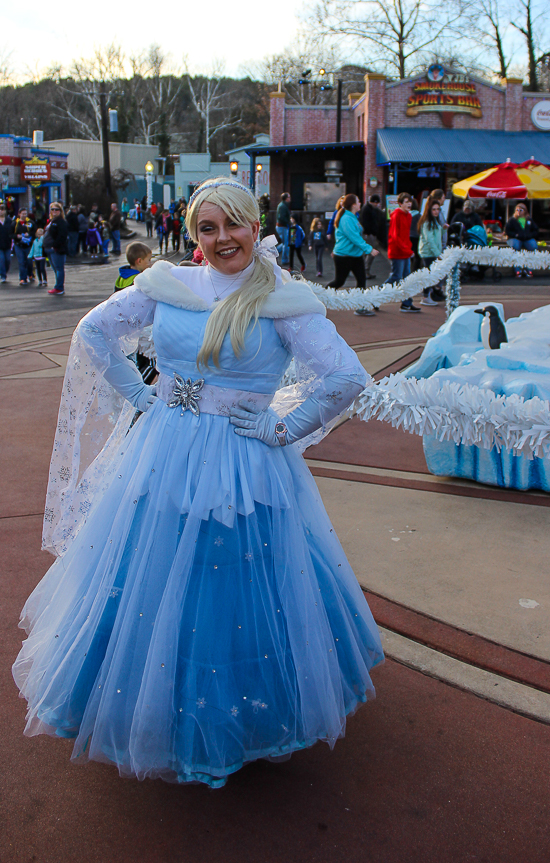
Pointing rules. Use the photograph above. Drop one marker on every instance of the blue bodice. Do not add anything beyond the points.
(178, 335)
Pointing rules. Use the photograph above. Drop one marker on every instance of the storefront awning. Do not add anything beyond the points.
(300, 148)
(462, 146)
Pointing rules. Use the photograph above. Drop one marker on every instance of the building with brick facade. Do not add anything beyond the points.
(31, 176)
(414, 135)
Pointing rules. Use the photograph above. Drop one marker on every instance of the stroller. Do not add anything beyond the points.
(474, 237)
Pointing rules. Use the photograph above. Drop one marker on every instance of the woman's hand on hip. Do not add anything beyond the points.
(258, 424)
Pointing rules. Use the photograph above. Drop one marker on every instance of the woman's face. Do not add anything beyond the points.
(224, 244)
(55, 212)
(356, 207)
(521, 211)
(435, 208)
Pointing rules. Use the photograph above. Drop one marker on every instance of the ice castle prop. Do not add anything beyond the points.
(519, 368)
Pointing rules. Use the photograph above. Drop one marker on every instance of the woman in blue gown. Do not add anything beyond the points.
(201, 612)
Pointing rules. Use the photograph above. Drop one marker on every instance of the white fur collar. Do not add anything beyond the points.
(290, 299)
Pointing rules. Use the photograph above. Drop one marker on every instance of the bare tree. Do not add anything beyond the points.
(533, 17)
(6, 68)
(210, 101)
(391, 33)
(81, 91)
(159, 84)
(493, 25)
(297, 69)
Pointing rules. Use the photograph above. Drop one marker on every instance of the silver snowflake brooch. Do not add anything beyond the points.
(185, 393)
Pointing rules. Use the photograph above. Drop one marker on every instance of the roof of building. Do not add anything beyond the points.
(464, 146)
(298, 148)
(257, 142)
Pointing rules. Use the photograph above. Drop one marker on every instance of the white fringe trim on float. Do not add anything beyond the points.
(458, 412)
(368, 298)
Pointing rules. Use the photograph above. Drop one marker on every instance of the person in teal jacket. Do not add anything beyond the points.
(350, 246)
(430, 243)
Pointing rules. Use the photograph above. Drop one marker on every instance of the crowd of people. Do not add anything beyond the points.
(37, 241)
(168, 223)
(412, 237)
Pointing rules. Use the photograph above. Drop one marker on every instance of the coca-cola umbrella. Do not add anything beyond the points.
(509, 181)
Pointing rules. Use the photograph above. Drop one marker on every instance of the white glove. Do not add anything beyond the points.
(145, 399)
(259, 424)
(120, 372)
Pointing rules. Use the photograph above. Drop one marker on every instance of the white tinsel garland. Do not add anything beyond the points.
(453, 290)
(368, 298)
(458, 412)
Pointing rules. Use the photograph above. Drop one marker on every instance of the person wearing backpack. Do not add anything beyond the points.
(296, 238)
(55, 245)
(82, 229)
(24, 230)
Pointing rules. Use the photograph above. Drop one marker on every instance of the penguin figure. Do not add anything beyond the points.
(493, 331)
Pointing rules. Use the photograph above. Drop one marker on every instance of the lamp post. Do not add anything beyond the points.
(234, 167)
(149, 168)
(339, 83)
(259, 168)
(105, 138)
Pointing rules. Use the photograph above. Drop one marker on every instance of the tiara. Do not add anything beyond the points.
(214, 185)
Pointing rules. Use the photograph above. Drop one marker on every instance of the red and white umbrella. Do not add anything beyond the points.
(530, 179)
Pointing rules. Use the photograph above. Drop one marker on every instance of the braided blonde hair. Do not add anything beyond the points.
(235, 312)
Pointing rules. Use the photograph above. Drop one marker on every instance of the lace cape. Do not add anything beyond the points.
(94, 419)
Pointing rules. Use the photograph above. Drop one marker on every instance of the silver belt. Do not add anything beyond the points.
(199, 397)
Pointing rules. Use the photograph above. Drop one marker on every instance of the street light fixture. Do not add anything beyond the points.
(339, 82)
(259, 168)
(234, 167)
(149, 168)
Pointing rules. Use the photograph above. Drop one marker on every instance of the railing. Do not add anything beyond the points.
(450, 411)
(446, 267)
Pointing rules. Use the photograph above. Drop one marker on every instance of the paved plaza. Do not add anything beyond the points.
(450, 763)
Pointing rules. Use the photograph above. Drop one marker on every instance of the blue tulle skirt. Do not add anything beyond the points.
(205, 616)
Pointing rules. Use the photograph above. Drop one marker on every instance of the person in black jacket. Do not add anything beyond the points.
(373, 223)
(163, 227)
(522, 233)
(5, 242)
(55, 245)
(467, 216)
(73, 227)
(24, 230)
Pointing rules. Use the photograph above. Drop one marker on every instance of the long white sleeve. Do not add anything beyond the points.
(331, 371)
(110, 332)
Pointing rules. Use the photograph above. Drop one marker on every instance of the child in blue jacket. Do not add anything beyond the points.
(297, 238)
(38, 256)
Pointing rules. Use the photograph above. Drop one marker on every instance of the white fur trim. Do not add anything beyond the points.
(288, 300)
(159, 284)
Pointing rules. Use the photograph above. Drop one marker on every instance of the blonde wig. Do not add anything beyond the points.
(236, 311)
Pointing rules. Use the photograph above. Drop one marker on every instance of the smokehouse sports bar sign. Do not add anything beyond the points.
(444, 93)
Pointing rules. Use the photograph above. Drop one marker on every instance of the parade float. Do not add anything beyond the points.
(483, 413)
